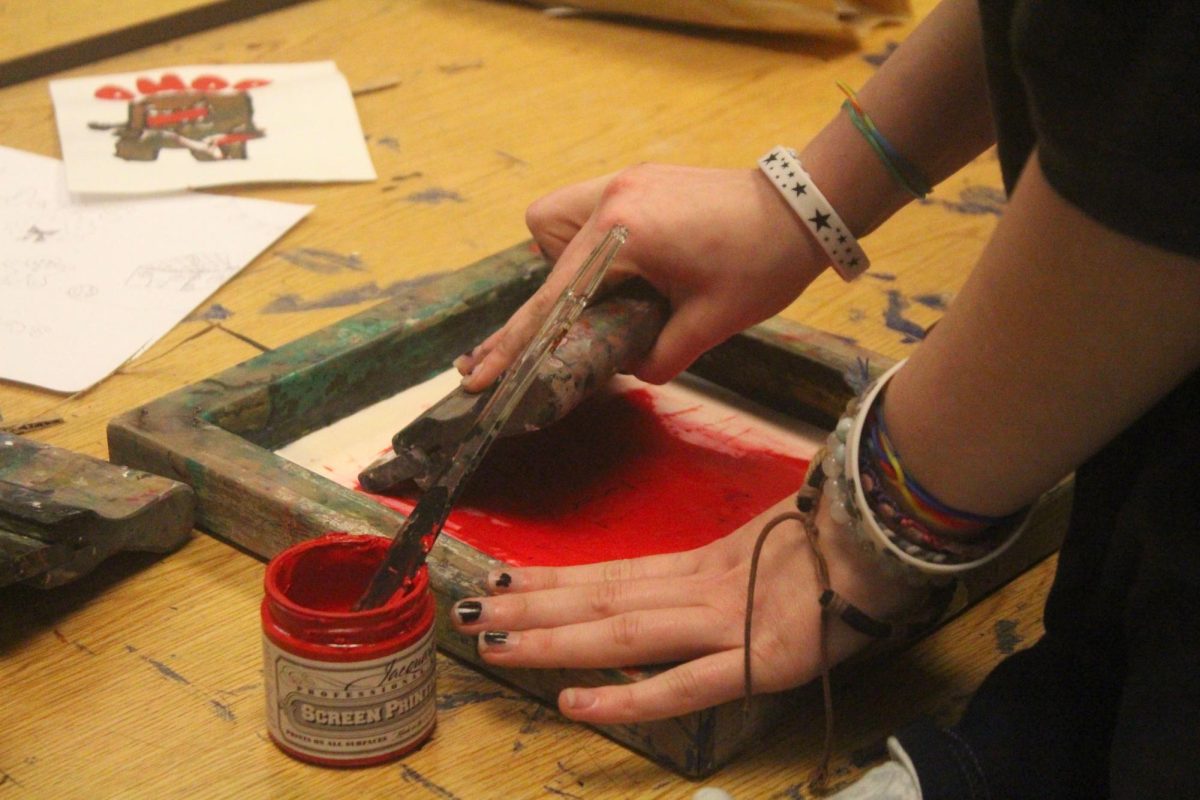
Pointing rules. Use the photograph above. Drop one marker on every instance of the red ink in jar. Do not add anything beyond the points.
(345, 688)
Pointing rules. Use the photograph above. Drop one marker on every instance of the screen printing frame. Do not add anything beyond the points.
(219, 436)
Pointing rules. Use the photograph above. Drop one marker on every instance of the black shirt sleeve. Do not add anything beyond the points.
(1111, 90)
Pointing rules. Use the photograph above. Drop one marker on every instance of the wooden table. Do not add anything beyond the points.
(38, 38)
(144, 678)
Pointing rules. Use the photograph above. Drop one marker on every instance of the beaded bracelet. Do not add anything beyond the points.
(901, 169)
(798, 189)
(842, 470)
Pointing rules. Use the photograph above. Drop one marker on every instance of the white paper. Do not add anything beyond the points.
(87, 284)
(194, 127)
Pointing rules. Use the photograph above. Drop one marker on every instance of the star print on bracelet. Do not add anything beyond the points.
(784, 170)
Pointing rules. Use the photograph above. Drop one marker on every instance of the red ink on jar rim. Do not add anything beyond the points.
(345, 688)
(613, 479)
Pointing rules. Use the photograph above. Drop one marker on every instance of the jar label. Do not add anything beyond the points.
(350, 709)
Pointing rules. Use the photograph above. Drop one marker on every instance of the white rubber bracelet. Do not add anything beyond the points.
(797, 188)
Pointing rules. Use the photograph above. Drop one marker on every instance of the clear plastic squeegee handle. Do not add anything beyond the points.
(415, 537)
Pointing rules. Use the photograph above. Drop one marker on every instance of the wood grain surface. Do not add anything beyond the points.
(143, 679)
(39, 38)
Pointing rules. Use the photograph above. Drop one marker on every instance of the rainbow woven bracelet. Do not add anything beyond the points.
(900, 168)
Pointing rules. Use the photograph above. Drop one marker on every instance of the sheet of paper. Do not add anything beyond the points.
(87, 284)
(207, 125)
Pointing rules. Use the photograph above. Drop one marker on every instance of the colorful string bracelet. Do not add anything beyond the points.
(920, 502)
(901, 169)
(871, 505)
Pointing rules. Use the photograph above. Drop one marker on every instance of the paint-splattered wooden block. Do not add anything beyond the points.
(220, 435)
(62, 513)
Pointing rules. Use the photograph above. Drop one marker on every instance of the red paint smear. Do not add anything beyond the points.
(110, 92)
(171, 118)
(613, 481)
(233, 138)
(170, 82)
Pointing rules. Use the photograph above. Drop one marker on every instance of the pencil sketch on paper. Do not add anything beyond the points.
(185, 273)
(104, 278)
(212, 119)
(30, 273)
(36, 234)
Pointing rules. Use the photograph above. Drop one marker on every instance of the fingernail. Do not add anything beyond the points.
(460, 362)
(500, 580)
(467, 376)
(579, 699)
(469, 610)
(499, 639)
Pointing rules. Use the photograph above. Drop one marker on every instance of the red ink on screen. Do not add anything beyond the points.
(614, 479)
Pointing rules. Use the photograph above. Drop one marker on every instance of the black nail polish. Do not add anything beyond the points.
(504, 580)
(496, 637)
(468, 610)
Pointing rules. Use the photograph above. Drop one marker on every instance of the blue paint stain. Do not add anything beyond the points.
(935, 301)
(346, 297)
(448, 702)
(858, 375)
(434, 196)
(223, 711)
(1007, 637)
(894, 318)
(451, 69)
(324, 262)
(410, 775)
(215, 312)
(166, 671)
(973, 201)
(877, 59)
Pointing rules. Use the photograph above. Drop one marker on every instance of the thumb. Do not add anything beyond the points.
(503, 347)
(691, 330)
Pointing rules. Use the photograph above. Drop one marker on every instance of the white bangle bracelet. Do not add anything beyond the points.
(797, 188)
(865, 517)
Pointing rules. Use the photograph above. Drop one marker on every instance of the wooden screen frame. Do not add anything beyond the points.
(219, 436)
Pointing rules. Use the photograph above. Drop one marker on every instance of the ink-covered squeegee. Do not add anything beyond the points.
(612, 335)
(448, 466)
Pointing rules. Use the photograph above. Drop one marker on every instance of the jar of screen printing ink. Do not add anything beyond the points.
(345, 688)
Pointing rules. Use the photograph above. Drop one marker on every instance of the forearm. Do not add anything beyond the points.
(929, 99)
(1064, 334)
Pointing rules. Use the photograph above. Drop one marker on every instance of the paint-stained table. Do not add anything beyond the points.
(143, 679)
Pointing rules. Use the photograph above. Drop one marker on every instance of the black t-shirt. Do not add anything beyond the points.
(1109, 93)
(1109, 90)
(1107, 703)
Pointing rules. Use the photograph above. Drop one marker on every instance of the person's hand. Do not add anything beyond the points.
(682, 607)
(722, 246)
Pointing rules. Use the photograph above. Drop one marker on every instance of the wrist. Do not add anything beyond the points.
(861, 576)
(849, 173)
